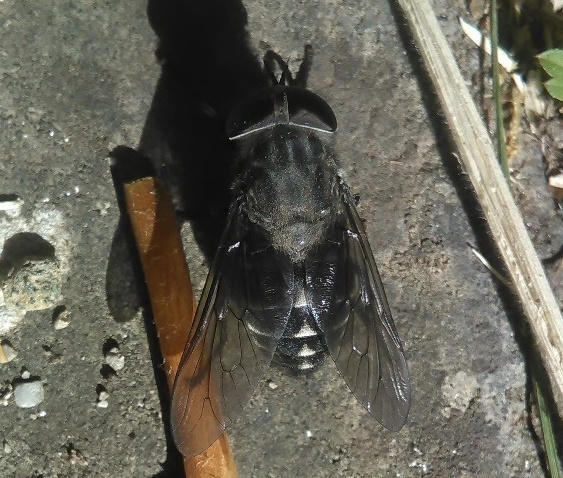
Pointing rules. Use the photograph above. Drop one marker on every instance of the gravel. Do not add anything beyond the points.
(29, 394)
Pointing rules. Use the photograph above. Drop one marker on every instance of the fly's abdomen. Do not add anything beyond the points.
(301, 346)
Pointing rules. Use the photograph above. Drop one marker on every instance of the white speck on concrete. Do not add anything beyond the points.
(102, 207)
(61, 320)
(7, 352)
(9, 317)
(12, 206)
(421, 465)
(103, 396)
(5, 394)
(29, 394)
(459, 391)
(115, 360)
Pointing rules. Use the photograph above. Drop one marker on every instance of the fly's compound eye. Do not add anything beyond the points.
(277, 105)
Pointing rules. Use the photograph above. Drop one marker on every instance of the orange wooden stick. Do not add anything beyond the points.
(168, 280)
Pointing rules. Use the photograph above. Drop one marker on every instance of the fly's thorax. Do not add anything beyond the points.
(289, 181)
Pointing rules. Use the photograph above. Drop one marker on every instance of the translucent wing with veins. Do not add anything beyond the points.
(241, 316)
(347, 300)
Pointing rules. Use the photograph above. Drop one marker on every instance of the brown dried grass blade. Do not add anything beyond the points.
(167, 276)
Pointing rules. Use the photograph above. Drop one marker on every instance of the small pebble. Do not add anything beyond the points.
(103, 395)
(556, 184)
(7, 352)
(5, 394)
(28, 394)
(272, 385)
(7, 447)
(25, 374)
(115, 360)
(11, 204)
(60, 320)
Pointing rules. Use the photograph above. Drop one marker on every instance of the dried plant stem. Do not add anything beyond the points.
(553, 465)
(478, 159)
(166, 274)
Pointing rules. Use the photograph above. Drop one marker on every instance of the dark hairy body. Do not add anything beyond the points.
(288, 176)
(293, 279)
(289, 184)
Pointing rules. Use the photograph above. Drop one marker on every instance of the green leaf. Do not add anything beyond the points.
(555, 87)
(552, 62)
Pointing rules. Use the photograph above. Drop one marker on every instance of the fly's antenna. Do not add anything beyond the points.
(273, 60)
(270, 60)
(286, 77)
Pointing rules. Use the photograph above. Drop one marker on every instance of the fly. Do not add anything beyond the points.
(293, 279)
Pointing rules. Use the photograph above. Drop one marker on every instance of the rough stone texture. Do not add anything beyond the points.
(78, 79)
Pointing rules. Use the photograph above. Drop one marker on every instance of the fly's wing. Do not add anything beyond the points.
(348, 302)
(240, 318)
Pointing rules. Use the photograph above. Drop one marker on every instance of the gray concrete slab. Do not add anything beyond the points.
(78, 79)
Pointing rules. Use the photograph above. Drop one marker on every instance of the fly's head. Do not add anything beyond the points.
(286, 102)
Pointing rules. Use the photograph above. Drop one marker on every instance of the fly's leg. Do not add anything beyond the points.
(303, 73)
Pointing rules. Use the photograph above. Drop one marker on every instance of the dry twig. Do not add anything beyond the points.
(479, 161)
(160, 248)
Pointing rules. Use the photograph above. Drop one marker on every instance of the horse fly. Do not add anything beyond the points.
(293, 279)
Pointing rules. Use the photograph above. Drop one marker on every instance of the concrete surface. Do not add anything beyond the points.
(78, 79)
